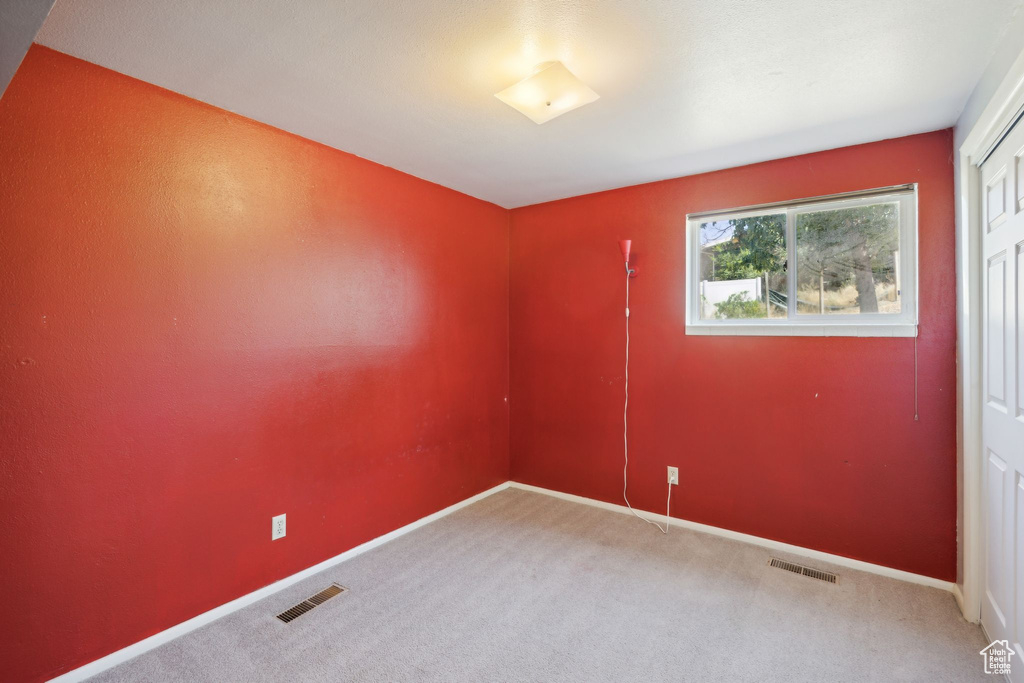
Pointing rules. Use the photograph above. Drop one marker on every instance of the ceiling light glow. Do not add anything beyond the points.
(550, 91)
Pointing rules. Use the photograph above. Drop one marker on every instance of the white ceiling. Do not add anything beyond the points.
(686, 85)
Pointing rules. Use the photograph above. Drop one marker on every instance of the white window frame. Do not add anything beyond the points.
(902, 324)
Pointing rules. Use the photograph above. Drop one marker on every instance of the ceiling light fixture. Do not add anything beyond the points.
(550, 91)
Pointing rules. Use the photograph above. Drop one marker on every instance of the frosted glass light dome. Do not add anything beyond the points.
(552, 90)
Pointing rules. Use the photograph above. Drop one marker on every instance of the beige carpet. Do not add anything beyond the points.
(524, 587)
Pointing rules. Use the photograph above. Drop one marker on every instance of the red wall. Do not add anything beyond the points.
(206, 322)
(803, 440)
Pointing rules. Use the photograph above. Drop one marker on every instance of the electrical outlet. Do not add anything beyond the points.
(277, 527)
(673, 475)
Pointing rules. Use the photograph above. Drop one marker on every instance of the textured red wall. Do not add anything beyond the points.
(206, 322)
(808, 441)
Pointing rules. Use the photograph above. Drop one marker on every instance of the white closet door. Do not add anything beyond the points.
(1002, 611)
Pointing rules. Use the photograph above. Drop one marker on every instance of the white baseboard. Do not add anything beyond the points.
(958, 594)
(154, 641)
(754, 540)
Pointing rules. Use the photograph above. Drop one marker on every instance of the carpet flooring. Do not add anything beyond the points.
(525, 587)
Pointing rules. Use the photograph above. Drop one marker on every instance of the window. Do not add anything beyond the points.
(844, 266)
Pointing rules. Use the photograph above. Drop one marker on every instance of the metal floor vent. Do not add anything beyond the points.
(828, 577)
(308, 604)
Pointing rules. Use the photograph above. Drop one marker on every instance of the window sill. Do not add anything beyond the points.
(804, 330)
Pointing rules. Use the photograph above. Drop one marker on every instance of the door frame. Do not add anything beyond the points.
(999, 114)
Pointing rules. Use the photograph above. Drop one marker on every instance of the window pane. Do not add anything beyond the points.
(743, 268)
(848, 260)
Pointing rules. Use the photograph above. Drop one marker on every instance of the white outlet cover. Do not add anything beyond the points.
(277, 527)
(673, 475)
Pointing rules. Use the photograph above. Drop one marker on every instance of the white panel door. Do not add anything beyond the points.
(1002, 180)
